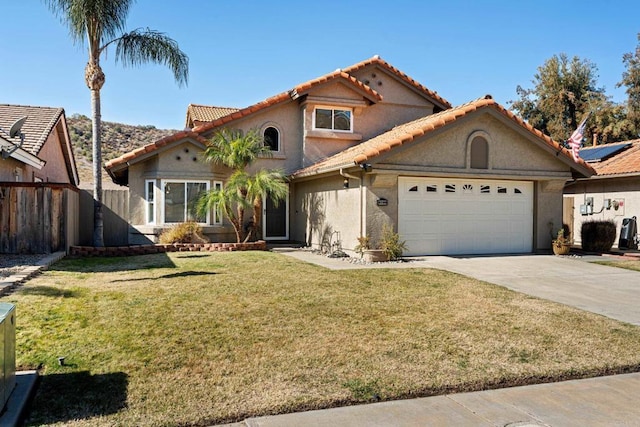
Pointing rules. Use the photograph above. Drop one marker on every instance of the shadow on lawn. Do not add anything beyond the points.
(48, 291)
(111, 264)
(78, 395)
(169, 276)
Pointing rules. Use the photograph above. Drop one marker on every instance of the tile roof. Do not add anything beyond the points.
(206, 113)
(626, 162)
(39, 124)
(406, 133)
(299, 90)
(292, 94)
(153, 147)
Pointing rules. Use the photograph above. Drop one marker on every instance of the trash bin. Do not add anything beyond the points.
(628, 234)
(8, 353)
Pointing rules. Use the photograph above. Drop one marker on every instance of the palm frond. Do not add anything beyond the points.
(143, 46)
(92, 20)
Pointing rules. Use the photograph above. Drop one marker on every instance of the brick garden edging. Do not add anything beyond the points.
(91, 251)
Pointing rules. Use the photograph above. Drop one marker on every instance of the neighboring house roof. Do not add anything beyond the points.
(406, 133)
(625, 162)
(36, 129)
(205, 113)
(41, 121)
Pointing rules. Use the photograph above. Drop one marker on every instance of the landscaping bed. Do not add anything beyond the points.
(199, 338)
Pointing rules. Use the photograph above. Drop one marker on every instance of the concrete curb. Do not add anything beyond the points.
(17, 403)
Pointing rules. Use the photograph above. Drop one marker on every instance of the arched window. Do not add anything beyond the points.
(479, 156)
(272, 138)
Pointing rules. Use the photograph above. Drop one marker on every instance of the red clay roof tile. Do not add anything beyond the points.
(153, 147)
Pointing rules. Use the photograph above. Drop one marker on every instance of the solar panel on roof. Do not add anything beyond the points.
(601, 152)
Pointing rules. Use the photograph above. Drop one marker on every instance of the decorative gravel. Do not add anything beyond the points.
(11, 264)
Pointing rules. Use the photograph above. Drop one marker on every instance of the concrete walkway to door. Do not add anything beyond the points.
(574, 281)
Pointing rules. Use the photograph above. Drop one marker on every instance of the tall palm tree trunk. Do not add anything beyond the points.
(96, 125)
(95, 80)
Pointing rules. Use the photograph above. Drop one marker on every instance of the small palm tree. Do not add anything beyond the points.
(242, 191)
(99, 24)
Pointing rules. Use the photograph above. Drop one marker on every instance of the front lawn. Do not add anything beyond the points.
(199, 339)
(628, 264)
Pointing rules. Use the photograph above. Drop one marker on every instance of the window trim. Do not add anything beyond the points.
(333, 110)
(279, 142)
(163, 184)
(218, 216)
(150, 204)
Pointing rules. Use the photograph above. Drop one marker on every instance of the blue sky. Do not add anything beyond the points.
(242, 52)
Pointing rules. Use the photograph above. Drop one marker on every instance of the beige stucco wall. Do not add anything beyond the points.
(285, 117)
(621, 191)
(12, 170)
(512, 155)
(55, 169)
(324, 212)
(180, 161)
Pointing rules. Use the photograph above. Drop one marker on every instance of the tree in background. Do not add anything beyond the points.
(243, 190)
(564, 92)
(98, 24)
(631, 80)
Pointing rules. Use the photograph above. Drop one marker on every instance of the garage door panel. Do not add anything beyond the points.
(476, 216)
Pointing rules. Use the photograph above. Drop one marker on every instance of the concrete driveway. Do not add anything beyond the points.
(609, 291)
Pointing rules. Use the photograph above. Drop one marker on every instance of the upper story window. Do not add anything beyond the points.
(333, 119)
(272, 138)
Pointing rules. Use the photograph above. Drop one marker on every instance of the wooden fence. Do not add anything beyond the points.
(38, 218)
(115, 215)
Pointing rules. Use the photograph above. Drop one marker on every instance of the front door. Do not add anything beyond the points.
(275, 219)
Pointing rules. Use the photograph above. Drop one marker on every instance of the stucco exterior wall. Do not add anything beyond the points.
(55, 168)
(622, 192)
(509, 152)
(12, 170)
(286, 118)
(324, 212)
(182, 161)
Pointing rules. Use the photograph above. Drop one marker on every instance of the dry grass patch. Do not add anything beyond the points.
(629, 264)
(199, 339)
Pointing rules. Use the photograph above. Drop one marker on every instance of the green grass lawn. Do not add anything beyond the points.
(199, 339)
(628, 264)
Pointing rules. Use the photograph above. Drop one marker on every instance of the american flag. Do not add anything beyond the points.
(575, 141)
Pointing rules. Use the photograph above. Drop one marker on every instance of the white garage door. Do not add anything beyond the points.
(439, 216)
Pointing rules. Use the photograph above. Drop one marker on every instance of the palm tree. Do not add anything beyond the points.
(99, 24)
(242, 191)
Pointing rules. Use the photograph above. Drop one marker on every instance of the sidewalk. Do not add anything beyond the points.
(604, 401)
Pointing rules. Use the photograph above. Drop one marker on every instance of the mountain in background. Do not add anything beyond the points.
(117, 139)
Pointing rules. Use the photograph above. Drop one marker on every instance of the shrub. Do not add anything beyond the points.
(390, 243)
(186, 232)
(598, 236)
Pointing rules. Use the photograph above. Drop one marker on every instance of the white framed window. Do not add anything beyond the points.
(218, 216)
(337, 119)
(150, 197)
(180, 200)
